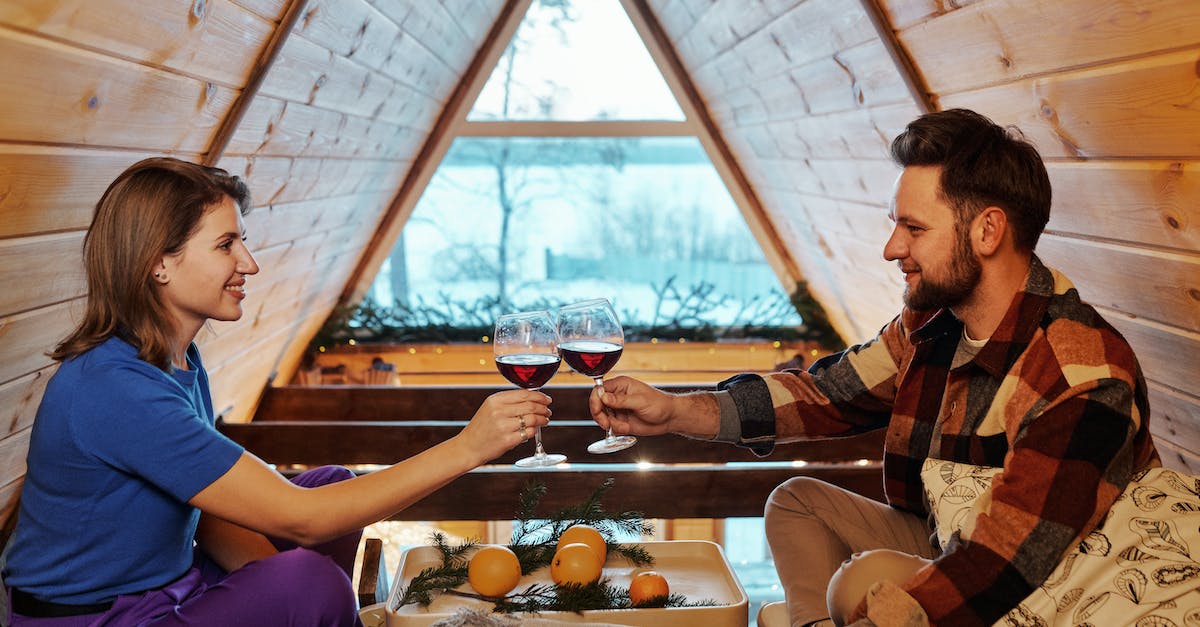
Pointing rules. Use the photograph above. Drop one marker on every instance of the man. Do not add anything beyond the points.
(994, 361)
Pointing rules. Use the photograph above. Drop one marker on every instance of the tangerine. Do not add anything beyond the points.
(575, 563)
(648, 586)
(588, 535)
(494, 570)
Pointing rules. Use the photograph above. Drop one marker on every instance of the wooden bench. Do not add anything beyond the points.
(662, 477)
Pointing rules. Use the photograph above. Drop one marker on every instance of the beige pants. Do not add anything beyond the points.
(813, 527)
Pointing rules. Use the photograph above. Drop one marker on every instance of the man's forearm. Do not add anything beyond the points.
(696, 415)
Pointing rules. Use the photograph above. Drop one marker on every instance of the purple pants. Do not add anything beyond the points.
(297, 587)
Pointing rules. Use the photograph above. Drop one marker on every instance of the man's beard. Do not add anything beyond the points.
(963, 275)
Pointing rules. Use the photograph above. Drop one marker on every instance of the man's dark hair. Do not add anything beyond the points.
(983, 165)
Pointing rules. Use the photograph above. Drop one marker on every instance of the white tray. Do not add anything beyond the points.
(696, 569)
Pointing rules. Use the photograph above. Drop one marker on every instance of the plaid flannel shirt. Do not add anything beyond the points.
(1055, 397)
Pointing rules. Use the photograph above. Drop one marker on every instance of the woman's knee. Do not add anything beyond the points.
(315, 584)
(323, 475)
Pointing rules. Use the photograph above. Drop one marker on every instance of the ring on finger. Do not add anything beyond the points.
(524, 435)
(521, 423)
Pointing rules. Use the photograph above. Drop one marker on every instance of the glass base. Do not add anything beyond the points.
(540, 460)
(612, 444)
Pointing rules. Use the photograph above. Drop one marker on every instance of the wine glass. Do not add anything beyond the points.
(590, 340)
(526, 349)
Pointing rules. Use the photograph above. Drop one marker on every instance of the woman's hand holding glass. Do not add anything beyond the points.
(526, 349)
(505, 420)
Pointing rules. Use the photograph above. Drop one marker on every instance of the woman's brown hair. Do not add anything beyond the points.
(150, 210)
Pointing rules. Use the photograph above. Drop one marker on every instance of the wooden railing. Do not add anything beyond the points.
(663, 476)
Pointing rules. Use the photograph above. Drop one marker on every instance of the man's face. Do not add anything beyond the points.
(940, 269)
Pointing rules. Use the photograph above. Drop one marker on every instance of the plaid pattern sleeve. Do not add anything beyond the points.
(1068, 398)
(839, 395)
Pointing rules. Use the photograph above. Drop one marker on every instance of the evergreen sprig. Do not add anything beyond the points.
(534, 541)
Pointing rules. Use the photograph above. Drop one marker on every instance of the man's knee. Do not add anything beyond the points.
(850, 583)
(793, 495)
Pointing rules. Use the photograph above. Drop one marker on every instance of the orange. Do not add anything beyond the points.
(586, 534)
(575, 564)
(494, 570)
(647, 586)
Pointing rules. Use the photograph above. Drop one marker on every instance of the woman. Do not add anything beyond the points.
(135, 510)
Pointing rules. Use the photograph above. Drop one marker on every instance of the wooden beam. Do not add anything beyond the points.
(352, 442)
(903, 62)
(676, 492)
(431, 402)
(274, 46)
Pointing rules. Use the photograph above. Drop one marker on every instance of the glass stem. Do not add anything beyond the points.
(600, 386)
(538, 451)
(537, 442)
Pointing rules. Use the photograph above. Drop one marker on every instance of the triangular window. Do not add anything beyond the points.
(575, 166)
(588, 63)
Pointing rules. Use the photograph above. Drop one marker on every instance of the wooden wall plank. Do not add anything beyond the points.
(1156, 285)
(996, 41)
(19, 400)
(179, 35)
(1170, 356)
(1178, 458)
(100, 100)
(31, 279)
(46, 189)
(1174, 417)
(1143, 108)
(27, 337)
(1153, 203)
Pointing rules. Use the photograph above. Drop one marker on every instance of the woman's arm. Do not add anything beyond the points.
(253, 495)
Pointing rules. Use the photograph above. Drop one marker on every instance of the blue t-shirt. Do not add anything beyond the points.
(117, 449)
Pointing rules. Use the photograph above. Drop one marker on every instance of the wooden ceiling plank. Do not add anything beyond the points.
(434, 147)
(913, 79)
(233, 119)
(757, 218)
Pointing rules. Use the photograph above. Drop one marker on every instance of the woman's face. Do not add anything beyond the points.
(207, 278)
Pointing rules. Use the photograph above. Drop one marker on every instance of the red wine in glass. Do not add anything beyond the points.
(528, 371)
(588, 358)
(526, 350)
(591, 341)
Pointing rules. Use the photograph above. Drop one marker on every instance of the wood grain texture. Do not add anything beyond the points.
(40, 271)
(100, 100)
(1155, 285)
(46, 190)
(180, 35)
(1151, 203)
(1144, 108)
(25, 338)
(1169, 356)
(19, 399)
(995, 41)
